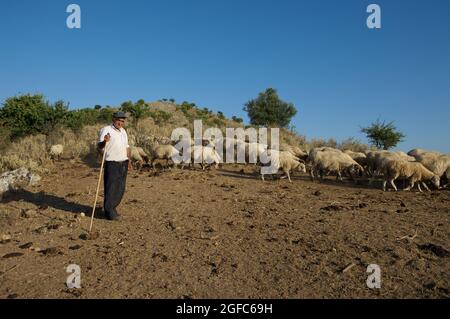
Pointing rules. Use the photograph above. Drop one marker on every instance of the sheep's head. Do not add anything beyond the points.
(359, 170)
(356, 169)
(301, 168)
(436, 180)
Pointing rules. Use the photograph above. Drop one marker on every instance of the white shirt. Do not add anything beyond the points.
(116, 148)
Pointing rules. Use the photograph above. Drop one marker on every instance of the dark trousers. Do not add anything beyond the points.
(114, 181)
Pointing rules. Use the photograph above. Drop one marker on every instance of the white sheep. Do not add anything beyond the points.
(377, 159)
(324, 161)
(437, 163)
(359, 157)
(283, 160)
(205, 155)
(56, 151)
(163, 152)
(419, 151)
(294, 150)
(138, 156)
(413, 171)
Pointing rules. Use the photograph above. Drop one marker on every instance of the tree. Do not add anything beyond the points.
(383, 135)
(138, 110)
(31, 114)
(269, 110)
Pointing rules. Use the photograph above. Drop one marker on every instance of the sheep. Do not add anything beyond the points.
(161, 152)
(328, 160)
(205, 155)
(419, 151)
(56, 151)
(438, 164)
(405, 156)
(377, 159)
(359, 157)
(414, 171)
(285, 161)
(256, 150)
(138, 156)
(296, 151)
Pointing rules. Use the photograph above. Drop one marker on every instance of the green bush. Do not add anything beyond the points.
(31, 114)
(237, 119)
(383, 135)
(138, 110)
(269, 110)
(218, 122)
(160, 116)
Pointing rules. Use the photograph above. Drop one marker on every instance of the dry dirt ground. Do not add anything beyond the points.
(223, 234)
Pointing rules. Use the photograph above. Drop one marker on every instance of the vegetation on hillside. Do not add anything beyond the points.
(29, 125)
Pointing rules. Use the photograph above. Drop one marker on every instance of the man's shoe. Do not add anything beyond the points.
(115, 218)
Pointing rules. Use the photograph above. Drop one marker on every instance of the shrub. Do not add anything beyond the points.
(269, 110)
(31, 114)
(383, 135)
(138, 110)
(237, 119)
(160, 116)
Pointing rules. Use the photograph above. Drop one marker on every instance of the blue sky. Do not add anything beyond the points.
(319, 55)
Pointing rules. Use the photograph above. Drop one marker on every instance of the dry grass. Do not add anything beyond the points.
(30, 152)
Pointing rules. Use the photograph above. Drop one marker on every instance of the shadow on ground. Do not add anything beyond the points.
(44, 200)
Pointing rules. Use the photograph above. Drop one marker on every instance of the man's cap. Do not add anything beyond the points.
(119, 115)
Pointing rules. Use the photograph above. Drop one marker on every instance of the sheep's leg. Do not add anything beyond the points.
(384, 185)
(425, 186)
(262, 177)
(289, 176)
(321, 175)
(420, 189)
(339, 176)
(393, 185)
(311, 173)
(410, 186)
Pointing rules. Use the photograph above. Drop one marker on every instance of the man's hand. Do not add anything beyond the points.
(130, 167)
(106, 139)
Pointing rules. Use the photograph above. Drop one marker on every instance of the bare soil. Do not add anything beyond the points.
(223, 234)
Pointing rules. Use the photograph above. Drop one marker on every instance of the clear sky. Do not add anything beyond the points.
(319, 55)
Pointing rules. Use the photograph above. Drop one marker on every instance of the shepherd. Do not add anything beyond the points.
(117, 163)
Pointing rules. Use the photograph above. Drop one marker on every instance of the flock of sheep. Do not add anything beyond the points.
(418, 167)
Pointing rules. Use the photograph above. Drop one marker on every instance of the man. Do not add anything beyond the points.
(117, 163)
